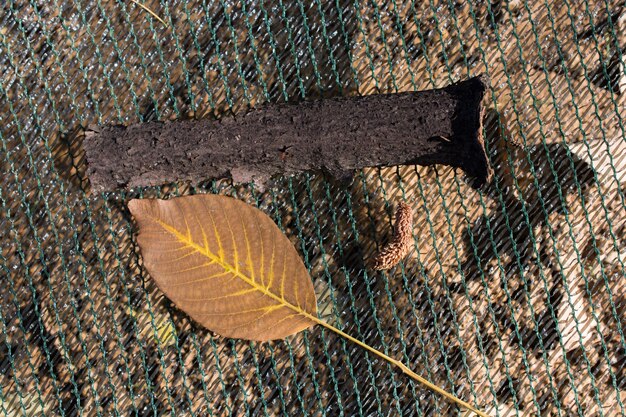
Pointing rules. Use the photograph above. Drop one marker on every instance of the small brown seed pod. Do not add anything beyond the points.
(401, 242)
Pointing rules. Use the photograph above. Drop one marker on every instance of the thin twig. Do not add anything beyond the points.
(156, 16)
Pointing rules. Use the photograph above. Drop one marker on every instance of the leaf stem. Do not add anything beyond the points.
(400, 365)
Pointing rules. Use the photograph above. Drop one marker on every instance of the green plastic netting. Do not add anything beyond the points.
(514, 297)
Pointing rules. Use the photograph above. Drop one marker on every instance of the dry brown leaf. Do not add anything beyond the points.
(227, 265)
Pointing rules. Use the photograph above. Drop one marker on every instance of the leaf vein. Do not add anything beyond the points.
(200, 279)
(266, 310)
(227, 267)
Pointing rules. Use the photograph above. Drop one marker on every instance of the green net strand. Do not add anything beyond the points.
(512, 299)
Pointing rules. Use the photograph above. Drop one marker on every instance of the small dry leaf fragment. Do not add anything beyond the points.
(402, 240)
(227, 265)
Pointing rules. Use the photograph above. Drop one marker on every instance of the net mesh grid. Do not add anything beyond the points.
(513, 297)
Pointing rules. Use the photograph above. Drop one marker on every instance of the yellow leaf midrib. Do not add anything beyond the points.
(205, 251)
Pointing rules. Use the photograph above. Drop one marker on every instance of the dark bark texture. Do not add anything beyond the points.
(442, 126)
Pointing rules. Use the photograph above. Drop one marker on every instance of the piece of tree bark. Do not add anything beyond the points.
(442, 126)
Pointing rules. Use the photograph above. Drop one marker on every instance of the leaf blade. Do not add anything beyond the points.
(222, 257)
